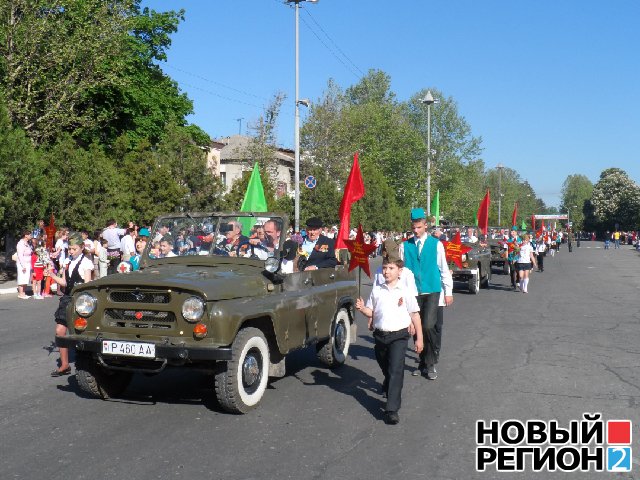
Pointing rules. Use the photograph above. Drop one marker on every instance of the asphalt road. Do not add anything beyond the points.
(572, 345)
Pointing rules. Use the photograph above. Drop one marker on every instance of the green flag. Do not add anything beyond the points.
(254, 200)
(435, 207)
(523, 226)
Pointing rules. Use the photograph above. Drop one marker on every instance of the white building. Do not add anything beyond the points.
(227, 158)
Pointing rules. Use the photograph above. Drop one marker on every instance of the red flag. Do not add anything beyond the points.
(353, 191)
(50, 230)
(514, 215)
(483, 214)
(533, 223)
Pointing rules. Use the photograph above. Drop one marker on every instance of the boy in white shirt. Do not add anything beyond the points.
(394, 317)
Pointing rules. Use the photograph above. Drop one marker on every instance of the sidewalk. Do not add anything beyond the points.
(8, 283)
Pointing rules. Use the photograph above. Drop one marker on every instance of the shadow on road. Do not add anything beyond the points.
(353, 383)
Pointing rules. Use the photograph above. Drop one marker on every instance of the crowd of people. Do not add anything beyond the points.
(409, 294)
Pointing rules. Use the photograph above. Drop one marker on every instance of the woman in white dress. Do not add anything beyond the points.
(23, 263)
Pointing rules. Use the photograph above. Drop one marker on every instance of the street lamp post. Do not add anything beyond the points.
(297, 112)
(500, 167)
(429, 100)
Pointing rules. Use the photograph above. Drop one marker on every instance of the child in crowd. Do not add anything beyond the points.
(103, 259)
(37, 267)
(393, 314)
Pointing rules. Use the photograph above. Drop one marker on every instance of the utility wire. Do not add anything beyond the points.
(216, 83)
(334, 43)
(224, 97)
(348, 67)
(332, 51)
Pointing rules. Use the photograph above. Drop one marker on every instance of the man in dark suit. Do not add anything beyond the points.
(318, 248)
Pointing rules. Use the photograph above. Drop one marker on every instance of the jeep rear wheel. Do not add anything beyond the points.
(486, 282)
(242, 381)
(474, 283)
(100, 382)
(333, 352)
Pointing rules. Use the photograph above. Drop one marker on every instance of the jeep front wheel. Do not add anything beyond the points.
(97, 381)
(242, 381)
(333, 352)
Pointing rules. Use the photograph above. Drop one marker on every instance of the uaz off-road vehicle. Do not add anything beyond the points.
(476, 266)
(209, 307)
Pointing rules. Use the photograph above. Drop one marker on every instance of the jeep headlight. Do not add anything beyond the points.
(193, 309)
(86, 304)
(272, 264)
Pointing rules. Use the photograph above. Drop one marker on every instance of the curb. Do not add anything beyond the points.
(6, 291)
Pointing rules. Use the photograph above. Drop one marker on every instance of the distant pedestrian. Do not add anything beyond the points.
(23, 263)
(525, 262)
(541, 251)
(112, 235)
(37, 267)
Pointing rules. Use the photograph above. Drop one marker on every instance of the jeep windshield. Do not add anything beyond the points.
(228, 235)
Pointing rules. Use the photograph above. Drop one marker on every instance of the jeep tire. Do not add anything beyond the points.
(333, 351)
(474, 283)
(505, 268)
(97, 381)
(242, 381)
(486, 281)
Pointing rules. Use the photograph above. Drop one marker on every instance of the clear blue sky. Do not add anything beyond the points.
(553, 87)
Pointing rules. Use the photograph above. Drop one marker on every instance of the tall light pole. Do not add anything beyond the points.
(297, 110)
(429, 100)
(500, 167)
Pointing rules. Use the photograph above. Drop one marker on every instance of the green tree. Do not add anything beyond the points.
(615, 200)
(576, 192)
(89, 68)
(188, 164)
(80, 185)
(374, 87)
(53, 54)
(20, 176)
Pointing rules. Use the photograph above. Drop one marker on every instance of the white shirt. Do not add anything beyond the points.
(62, 246)
(88, 245)
(441, 258)
(112, 236)
(127, 245)
(406, 279)
(85, 266)
(308, 245)
(525, 253)
(392, 307)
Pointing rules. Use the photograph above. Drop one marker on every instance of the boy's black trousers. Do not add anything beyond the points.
(390, 349)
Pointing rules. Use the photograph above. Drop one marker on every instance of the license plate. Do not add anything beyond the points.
(130, 349)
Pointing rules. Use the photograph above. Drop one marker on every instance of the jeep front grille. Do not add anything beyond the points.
(139, 319)
(139, 297)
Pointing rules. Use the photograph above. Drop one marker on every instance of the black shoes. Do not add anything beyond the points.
(431, 373)
(391, 418)
(60, 373)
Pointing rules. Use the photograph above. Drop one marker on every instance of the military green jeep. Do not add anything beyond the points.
(210, 304)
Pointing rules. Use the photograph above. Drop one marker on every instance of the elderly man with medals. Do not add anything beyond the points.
(317, 251)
